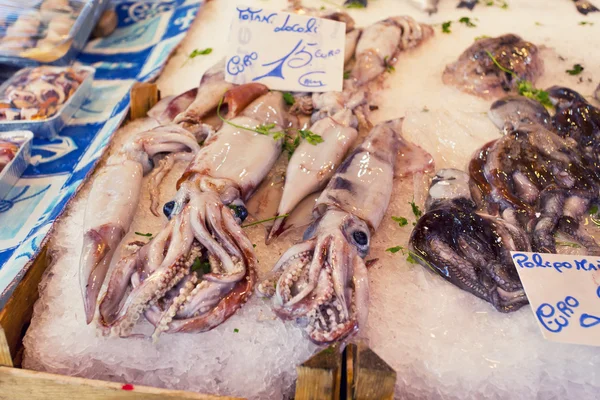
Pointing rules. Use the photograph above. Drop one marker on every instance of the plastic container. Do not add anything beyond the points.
(22, 104)
(46, 31)
(11, 173)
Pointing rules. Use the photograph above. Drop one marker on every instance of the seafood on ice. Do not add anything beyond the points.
(536, 181)
(477, 69)
(335, 116)
(115, 192)
(322, 282)
(467, 248)
(198, 270)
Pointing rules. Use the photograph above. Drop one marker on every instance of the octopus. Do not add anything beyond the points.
(321, 283)
(577, 119)
(198, 270)
(540, 177)
(475, 72)
(39, 92)
(469, 249)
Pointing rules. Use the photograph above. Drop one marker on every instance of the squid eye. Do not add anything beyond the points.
(361, 238)
(240, 212)
(168, 208)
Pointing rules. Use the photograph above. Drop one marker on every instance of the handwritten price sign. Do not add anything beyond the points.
(285, 51)
(564, 292)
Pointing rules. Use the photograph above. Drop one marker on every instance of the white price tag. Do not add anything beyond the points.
(285, 51)
(564, 293)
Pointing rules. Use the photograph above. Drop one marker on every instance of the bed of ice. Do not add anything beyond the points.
(444, 343)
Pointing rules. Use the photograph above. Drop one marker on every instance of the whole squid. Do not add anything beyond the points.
(200, 268)
(311, 166)
(322, 282)
(115, 192)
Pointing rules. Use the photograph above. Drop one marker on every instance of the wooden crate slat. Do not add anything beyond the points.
(32, 385)
(17, 312)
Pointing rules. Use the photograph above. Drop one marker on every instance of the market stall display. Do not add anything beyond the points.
(235, 223)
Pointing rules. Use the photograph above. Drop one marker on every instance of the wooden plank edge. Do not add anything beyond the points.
(18, 310)
(33, 385)
(5, 358)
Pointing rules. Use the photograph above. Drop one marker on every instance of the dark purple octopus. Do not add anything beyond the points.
(469, 249)
(543, 174)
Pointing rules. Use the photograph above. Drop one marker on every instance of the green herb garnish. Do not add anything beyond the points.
(400, 220)
(310, 137)
(266, 220)
(467, 21)
(290, 142)
(568, 244)
(415, 209)
(253, 245)
(143, 234)
(236, 330)
(594, 210)
(200, 267)
(288, 98)
(411, 259)
(346, 74)
(446, 27)
(577, 69)
(482, 37)
(388, 67)
(500, 3)
(395, 249)
(586, 23)
(354, 4)
(538, 23)
(195, 53)
(524, 87)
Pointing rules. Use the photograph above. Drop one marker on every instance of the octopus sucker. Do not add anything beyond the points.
(476, 73)
(322, 282)
(469, 249)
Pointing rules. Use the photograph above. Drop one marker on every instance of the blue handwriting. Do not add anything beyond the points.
(311, 26)
(236, 64)
(546, 311)
(299, 57)
(537, 261)
(308, 79)
(247, 14)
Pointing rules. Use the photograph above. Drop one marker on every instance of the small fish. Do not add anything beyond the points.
(585, 7)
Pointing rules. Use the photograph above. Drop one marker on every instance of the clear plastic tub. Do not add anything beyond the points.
(43, 99)
(15, 150)
(34, 32)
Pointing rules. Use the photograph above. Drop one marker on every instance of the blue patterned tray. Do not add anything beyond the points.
(147, 33)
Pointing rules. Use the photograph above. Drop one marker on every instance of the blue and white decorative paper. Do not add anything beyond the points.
(147, 33)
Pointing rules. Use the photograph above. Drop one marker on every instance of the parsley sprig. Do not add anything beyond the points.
(468, 22)
(291, 141)
(576, 70)
(196, 52)
(525, 87)
(262, 221)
